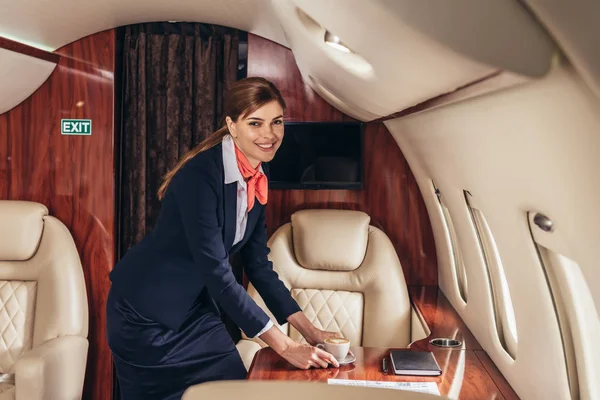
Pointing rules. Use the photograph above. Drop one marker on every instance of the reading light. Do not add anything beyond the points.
(335, 42)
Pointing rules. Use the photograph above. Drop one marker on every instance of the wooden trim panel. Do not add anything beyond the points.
(28, 50)
(505, 388)
(441, 318)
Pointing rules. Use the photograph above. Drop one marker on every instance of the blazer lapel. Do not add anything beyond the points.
(230, 214)
(252, 218)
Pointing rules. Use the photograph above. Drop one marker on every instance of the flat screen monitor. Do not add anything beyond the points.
(319, 155)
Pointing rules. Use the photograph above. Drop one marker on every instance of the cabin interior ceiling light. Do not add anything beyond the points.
(335, 42)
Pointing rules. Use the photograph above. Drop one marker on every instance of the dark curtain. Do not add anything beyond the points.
(172, 79)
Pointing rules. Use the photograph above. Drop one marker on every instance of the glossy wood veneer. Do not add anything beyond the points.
(463, 375)
(390, 195)
(28, 50)
(72, 175)
(441, 318)
(504, 387)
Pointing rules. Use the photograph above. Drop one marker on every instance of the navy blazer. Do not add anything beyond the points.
(188, 251)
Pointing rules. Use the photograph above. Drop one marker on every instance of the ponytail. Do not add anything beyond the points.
(214, 139)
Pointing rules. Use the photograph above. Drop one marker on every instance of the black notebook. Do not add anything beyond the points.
(406, 362)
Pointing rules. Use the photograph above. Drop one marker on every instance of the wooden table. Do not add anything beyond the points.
(464, 373)
(467, 372)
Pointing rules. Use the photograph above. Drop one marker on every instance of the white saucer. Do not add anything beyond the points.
(350, 358)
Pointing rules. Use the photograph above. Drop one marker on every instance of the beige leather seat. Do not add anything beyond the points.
(43, 306)
(344, 274)
(276, 390)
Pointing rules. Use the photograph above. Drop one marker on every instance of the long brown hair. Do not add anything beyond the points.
(244, 97)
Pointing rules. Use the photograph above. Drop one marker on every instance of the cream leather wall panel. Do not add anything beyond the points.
(50, 25)
(528, 149)
(408, 51)
(20, 76)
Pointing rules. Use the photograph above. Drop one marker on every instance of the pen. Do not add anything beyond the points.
(384, 366)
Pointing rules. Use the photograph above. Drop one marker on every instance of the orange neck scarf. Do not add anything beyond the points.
(256, 181)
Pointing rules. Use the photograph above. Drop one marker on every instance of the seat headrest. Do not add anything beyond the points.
(21, 226)
(334, 240)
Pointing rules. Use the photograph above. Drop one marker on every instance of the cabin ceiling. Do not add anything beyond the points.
(51, 24)
(404, 52)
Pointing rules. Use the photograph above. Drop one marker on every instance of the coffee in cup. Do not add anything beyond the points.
(337, 347)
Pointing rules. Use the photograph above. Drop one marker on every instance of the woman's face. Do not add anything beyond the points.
(260, 133)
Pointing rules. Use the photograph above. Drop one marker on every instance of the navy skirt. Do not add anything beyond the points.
(155, 362)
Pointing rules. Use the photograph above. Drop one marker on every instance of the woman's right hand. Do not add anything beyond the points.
(299, 355)
(305, 356)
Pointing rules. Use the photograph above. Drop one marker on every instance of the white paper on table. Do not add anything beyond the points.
(422, 387)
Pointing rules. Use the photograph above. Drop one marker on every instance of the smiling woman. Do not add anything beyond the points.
(260, 134)
(163, 324)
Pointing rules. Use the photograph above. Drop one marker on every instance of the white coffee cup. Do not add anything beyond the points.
(337, 347)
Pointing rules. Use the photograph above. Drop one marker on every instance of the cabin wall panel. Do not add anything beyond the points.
(526, 150)
(390, 194)
(72, 175)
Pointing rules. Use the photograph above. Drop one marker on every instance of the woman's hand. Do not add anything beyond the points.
(299, 355)
(305, 356)
(311, 333)
(317, 336)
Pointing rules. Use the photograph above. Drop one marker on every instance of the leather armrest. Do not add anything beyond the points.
(247, 349)
(53, 370)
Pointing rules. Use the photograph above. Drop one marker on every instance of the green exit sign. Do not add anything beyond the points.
(76, 126)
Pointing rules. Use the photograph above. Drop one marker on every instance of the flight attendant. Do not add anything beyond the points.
(163, 323)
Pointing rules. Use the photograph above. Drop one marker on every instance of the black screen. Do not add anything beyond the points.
(318, 155)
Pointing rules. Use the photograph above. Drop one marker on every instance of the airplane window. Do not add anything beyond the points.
(506, 325)
(458, 265)
(575, 309)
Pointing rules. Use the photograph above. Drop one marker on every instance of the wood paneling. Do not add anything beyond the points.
(390, 194)
(463, 375)
(28, 50)
(505, 388)
(72, 175)
(441, 318)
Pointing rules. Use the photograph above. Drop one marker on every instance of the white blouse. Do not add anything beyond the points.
(233, 174)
